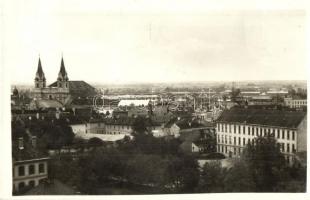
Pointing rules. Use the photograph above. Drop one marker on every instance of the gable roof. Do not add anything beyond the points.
(278, 118)
(79, 88)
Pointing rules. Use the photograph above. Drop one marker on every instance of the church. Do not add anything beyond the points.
(62, 92)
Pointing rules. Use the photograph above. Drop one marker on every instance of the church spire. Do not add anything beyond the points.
(40, 74)
(62, 75)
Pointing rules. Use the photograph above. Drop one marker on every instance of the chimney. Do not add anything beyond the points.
(57, 115)
(20, 143)
(34, 141)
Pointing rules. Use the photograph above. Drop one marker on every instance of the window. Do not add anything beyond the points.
(234, 140)
(293, 148)
(243, 129)
(31, 169)
(225, 139)
(288, 135)
(239, 141)
(293, 135)
(287, 147)
(256, 131)
(235, 151)
(21, 185)
(234, 128)
(282, 134)
(249, 141)
(261, 131)
(229, 127)
(278, 133)
(225, 127)
(243, 141)
(239, 129)
(225, 149)
(41, 168)
(249, 130)
(31, 183)
(229, 139)
(252, 130)
(282, 144)
(21, 171)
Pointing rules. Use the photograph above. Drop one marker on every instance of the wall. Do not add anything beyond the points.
(302, 136)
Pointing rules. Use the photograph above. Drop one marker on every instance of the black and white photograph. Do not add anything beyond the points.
(153, 98)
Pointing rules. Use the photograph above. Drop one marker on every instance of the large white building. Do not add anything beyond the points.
(295, 103)
(237, 127)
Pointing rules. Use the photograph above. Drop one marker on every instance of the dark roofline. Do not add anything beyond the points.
(20, 162)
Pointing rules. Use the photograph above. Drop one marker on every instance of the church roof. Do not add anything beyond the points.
(79, 88)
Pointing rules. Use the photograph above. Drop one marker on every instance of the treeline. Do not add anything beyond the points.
(262, 168)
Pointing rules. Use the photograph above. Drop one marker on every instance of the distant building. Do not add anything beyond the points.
(133, 102)
(238, 127)
(295, 103)
(62, 91)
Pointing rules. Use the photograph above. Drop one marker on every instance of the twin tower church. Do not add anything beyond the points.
(62, 91)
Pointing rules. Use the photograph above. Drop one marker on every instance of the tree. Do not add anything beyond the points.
(264, 161)
(212, 177)
(139, 126)
(182, 174)
(239, 179)
(94, 141)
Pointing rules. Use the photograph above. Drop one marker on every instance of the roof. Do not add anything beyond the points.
(278, 118)
(48, 104)
(79, 88)
(54, 187)
(129, 102)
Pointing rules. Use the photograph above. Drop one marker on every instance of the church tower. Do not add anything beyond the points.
(62, 80)
(40, 81)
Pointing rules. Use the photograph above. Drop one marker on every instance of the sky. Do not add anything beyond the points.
(135, 42)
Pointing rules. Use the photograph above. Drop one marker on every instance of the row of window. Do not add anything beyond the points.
(290, 148)
(236, 151)
(118, 127)
(31, 169)
(31, 183)
(256, 131)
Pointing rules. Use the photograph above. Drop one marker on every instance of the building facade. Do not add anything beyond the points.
(29, 173)
(295, 103)
(238, 127)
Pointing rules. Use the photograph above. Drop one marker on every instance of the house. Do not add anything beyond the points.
(238, 127)
(30, 167)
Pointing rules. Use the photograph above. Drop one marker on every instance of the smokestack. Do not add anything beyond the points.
(20, 143)
(34, 141)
